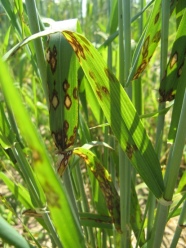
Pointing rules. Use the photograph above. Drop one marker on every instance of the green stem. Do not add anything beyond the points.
(124, 164)
(179, 228)
(171, 175)
(161, 118)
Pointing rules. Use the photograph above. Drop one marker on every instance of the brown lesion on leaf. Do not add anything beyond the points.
(75, 93)
(173, 60)
(60, 139)
(75, 130)
(51, 57)
(65, 126)
(87, 50)
(91, 74)
(66, 85)
(145, 47)
(156, 17)
(51, 195)
(84, 40)
(130, 149)
(78, 49)
(157, 36)
(105, 90)
(110, 75)
(166, 96)
(67, 101)
(99, 94)
(179, 71)
(141, 68)
(63, 163)
(54, 100)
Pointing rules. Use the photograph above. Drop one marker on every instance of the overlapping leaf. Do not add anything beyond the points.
(149, 41)
(119, 112)
(58, 203)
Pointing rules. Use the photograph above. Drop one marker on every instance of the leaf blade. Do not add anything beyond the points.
(119, 111)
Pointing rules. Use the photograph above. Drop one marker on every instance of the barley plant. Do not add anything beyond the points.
(92, 123)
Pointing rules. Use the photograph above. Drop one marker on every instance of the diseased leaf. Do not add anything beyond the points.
(149, 41)
(105, 183)
(119, 111)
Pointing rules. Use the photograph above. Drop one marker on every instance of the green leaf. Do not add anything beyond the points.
(120, 112)
(21, 193)
(175, 66)
(58, 203)
(148, 41)
(11, 236)
(105, 183)
(7, 136)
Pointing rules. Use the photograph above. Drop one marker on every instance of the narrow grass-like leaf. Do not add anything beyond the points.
(151, 37)
(7, 136)
(119, 112)
(175, 67)
(105, 182)
(96, 220)
(136, 217)
(57, 201)
(20, 192)
(11, 236)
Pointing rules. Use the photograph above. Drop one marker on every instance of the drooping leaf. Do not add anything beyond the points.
(119, 111)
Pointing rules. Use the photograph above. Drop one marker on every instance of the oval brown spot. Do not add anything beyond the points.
(157, 36)
(105, 90)
(65, 126)
(145, 47)
(156, 17)
(179, 71)
(99, 94)
(51, 58)
(92, 75)
(54, 100)
(66, 85)
(67, 101)
(75, 93)
(110, 76)
(173, 60)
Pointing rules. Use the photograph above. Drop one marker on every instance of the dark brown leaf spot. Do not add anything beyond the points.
(156, 17)
(99, 94)
(173, 60)
(64, 161)
(84, 40)
(54, 101)
(166, 96)
(75, 93)
(105, 90)
(51, 58)
(67, 101)
(141, 68)
(179, 71)
(78, 49)
(145, 47)
(65, 126)
(92, 75)
(110, 75)
(157, 36)
(66, 85)
(130, 149)
(75, 130)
